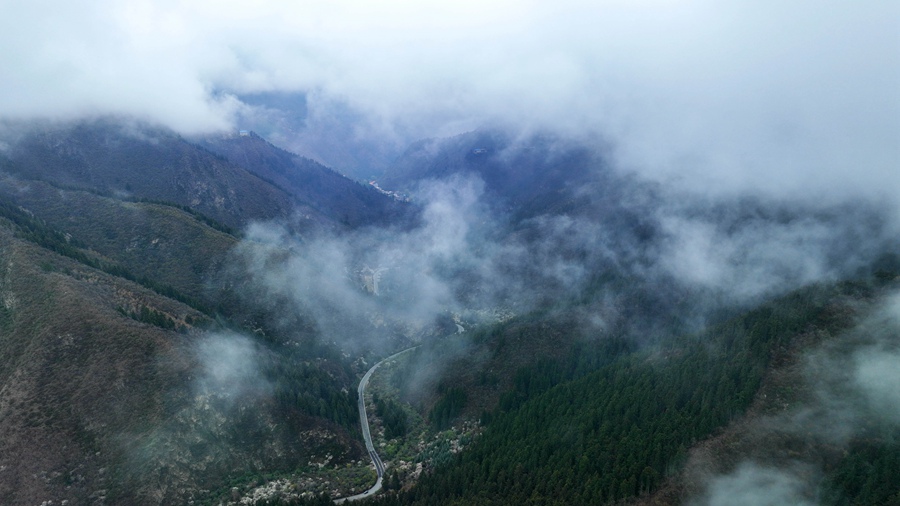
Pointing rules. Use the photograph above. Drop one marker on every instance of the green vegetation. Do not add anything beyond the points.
(306, 386)
(202, 218)
(311, 184)
(313, 389)
(122, 409)
(422, 443)
(319, 500)
(109, 194)
(448, 407)
(159, 165)
(151, 316)
(867, 474)
(393, 416)
(575, 407)
(150, 240)
(618, 431)
(37, 231)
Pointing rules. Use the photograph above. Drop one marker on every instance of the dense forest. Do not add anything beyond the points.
(571, 434)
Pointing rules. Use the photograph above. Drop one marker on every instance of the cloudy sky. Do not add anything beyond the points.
(774, 95)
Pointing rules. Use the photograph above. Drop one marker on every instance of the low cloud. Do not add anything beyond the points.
(349, 283)
(755, 248)
(756, 485)
(465, 253)
(459, 257)
(847, 393)
(876, 366)
(796, 100)
(876, 376)
(228, 367)
(855, 376)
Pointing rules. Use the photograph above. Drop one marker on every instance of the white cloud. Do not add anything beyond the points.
(875, 370)
(767, 247)
(754, 485)
(229, 366)
(801, 97)
(876, 376)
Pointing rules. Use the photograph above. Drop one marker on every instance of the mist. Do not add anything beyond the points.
(364, 286)
(751, 249)
(467, 257)
(799, 100)
(754, 485)
(738, 151)
(856, 375)
(228, 366)
(846, 394)
(793, 107)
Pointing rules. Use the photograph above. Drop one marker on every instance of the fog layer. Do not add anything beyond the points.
(799, 99)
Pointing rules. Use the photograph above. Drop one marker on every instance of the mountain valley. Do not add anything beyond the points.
(187, 320)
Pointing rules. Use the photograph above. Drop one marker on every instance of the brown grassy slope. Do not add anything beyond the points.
(115, 157)
(155, 241)
(94, 404)
(72, 372)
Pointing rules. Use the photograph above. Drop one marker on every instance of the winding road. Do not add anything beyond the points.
(367, 435)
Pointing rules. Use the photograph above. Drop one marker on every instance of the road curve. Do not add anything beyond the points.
(367, 436)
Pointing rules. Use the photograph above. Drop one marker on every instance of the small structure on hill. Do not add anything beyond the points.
(370, 278)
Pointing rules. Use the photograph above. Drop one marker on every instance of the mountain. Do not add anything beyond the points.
(112, 393)
(124, 158)
(168, 244)
(602, 394)
(527, 177)
(312, 184)
(140, 195)
(111, 158)
(128, 375)
(337, 136)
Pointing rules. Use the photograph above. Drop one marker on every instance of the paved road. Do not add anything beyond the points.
(367, 436)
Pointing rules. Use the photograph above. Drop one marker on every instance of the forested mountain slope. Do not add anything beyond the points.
(112, 157)
(312, 184)
(526, 176)
(113, 392)
(127, 377)
(119, 157)
(603, 433)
